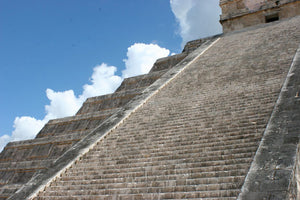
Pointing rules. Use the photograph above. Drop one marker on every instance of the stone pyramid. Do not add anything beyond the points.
(221, 120)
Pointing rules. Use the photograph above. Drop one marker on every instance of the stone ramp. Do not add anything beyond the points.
(276, 164)
(197, 136)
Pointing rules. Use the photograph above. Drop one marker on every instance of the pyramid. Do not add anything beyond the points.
(221, 120)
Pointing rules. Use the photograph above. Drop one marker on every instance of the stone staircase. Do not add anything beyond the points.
(22, 160)
(192, 138)
(197, 136)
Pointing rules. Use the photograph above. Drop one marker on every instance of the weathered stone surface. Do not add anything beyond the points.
(194, 44)
(20, 161)
(109, 101)
(188, 132)
(275, 166)
(168, 62)
(196, 135)
(66, 133)
(141, 81)
(238, 14)
(41, 177)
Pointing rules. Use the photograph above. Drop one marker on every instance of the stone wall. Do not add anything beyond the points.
(167, 62)
(238, 14)
(194, 44)
(294, 188)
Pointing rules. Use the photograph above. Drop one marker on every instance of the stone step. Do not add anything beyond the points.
(8, 190)
(155, 170)
(159, 186)
(72, 125)
(174, 139)
(18, 172)
(216, 165)
(176, 136)
(194, 117)
(164, 175)
(169, 160)
(123, 197)
(233, 94)
(211, 149)
(192, 124)
(227, 98)
(167, 62)
(207, 115)
(96, 114)
(170, 195)
(122, 182)
(141, 81)
(109, 101)
(213, 146)
(204, 124)
(207, 136)
(43, 140)
(174, 156)
(188, 163)
(41, 149)
(194, 44)
(153, 180)
(25, 165)
(159, 154)
(180, 166)
(160, 161)
(5, 196)
(140, 179)
(200, 131)
(78, 124)
(102, 190)
(238, 103)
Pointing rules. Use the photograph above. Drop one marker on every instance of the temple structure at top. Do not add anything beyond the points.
(238, 14)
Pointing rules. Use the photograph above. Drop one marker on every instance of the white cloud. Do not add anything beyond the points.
(103, 80)
(4, 139)
(197, 18)
(141, 57)
(64, 104)
(26, 128)
(61, 104)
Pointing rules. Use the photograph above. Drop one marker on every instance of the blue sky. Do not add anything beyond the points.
(52, 46)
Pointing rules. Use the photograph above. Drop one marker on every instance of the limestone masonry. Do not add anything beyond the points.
(221, 120)
(238, 14)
